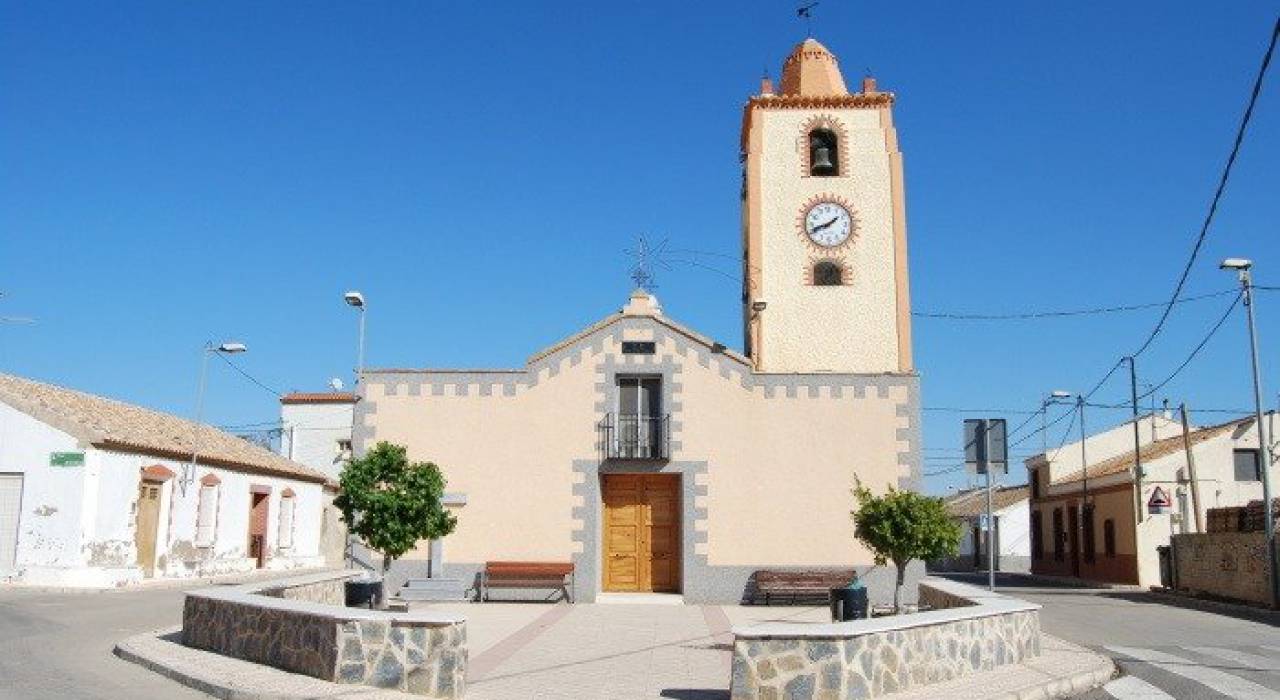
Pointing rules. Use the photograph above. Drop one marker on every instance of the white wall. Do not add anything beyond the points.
(311, 434)
(53, 498)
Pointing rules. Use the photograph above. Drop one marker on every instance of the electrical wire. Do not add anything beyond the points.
(1029, 315)
(246, 375)
(1217, 195)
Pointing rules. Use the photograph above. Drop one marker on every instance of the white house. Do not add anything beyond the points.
(316, 431)
(99, 493)
(1012, 518)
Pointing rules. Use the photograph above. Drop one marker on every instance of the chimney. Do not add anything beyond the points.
(869, 85)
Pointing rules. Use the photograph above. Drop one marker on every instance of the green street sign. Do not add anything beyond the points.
(66, 459)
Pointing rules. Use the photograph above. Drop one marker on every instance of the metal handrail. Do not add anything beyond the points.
(634, 437)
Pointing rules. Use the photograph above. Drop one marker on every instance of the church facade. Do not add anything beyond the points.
(659, 460)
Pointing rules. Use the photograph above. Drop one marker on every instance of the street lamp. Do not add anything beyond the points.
(355, 300)
(1051, 400)
(230, 348)
(1243, 268)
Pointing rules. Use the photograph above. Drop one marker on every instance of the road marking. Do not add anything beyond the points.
(1225, 683)
(1134, 688)
(1252, 661)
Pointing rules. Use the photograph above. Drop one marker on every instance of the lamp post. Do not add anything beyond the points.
(230, 348)
(355, 300)
(1243, 268)
(1051, 400)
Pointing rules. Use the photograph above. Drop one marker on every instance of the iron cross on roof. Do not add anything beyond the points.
(646, 259)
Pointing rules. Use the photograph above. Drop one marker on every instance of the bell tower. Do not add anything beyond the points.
(825, 284)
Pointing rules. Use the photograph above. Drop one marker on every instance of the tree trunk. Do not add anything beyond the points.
(897, 590)
(386, 564)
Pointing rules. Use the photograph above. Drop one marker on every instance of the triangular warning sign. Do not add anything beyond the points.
(1159, 499)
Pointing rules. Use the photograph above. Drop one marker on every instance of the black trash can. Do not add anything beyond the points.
(1166, 565)
(364, 594)
(849, 602)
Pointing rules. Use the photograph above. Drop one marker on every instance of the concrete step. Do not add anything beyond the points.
(434, 589)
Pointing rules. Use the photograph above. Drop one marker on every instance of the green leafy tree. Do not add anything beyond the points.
(903, 525)
(392, 504)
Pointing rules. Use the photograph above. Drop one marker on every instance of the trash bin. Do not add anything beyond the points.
(1165, 552)
(849, 602)
(363, 593)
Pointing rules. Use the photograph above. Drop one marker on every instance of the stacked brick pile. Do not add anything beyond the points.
(1227, 519)
(1255, 519)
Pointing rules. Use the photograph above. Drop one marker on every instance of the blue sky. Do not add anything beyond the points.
(174, 173)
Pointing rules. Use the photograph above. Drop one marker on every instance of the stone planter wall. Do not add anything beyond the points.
(975, 631)
(289, 625)
(1223, 564)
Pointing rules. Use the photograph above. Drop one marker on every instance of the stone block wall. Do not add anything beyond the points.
(294, 626)
(1224, 564)
(871, 658)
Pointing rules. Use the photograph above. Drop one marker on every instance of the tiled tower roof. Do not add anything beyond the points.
(812, 71)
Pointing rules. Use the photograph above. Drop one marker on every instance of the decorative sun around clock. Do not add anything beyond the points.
(828, 222)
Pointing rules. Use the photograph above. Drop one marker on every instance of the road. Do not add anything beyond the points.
(1165, 651)
(57, 644)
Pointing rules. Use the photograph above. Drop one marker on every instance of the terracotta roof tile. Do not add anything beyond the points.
(123, 427)
(319, 397)
(973, 502)
(1150, 452)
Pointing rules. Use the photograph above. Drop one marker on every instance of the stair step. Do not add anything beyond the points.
(436, 584)
(434, 589)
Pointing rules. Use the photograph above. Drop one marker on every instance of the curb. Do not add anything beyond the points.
(124, 650)
(1193, 602)
(1067, 687)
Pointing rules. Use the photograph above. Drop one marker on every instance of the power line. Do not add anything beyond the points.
(1028, 315)
(951, 409)
(1217, 195)
(246, 375)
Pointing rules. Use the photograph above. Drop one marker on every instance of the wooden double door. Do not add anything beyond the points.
(641, 532)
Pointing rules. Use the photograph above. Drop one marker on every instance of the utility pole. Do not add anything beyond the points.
(1084, 484)
(1191, 466)
(1137, 441)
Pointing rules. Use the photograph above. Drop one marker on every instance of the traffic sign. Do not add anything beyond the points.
(1159, 503)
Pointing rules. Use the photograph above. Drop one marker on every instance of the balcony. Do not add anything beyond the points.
(634, 437)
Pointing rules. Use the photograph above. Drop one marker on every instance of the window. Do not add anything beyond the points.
(828, 273)
(284, 540)
(1034, 478)
(343, 448)
(1247, 465)
(1109, 537)
(1037, 536)
(636, 347)
(207, 511)
(1059, 536)
(640, 417)
(824, 155)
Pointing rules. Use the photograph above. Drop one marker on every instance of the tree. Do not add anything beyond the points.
(903, 525)
(391, 504)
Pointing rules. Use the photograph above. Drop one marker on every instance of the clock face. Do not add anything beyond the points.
(828, 224)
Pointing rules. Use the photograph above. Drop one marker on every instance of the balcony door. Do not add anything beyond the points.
(639, 417)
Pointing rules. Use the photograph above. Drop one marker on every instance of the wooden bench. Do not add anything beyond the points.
(527, 574)
(797, 585)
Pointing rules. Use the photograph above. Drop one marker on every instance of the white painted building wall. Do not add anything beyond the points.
(312, 432)
(1014, 524)
(77, 524)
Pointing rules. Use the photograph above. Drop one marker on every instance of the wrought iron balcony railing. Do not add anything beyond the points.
(634, 437)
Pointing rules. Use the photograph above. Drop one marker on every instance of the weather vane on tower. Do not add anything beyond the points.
(646, 259)
(805, 12)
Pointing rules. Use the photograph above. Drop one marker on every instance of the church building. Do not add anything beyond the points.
(656, 459)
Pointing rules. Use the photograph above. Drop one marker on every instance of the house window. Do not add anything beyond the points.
(207, 512)
(1059, 536)
(1109, 537)
(284, 540)
(1034, 479)
(638, 347)
(1037, 535)
(1247, 465)
(824, 153)
(828, 273)
(344, 449)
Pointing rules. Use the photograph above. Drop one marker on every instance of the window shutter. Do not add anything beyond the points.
(206, 515)
(285, 540)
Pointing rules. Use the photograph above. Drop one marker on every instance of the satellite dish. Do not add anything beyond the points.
(335, 384)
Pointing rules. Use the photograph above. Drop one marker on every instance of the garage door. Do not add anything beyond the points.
(10, 506)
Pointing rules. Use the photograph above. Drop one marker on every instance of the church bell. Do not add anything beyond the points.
(822, 164)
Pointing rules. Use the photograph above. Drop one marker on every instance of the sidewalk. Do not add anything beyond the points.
(604, 652)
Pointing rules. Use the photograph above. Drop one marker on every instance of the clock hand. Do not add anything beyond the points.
(819, 227)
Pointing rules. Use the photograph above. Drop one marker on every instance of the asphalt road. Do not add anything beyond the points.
(58, 644)
(1177, 651)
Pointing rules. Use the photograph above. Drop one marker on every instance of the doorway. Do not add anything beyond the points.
(259, 502)
(640, 417)
(1073, 530)
(10, 509)
(641, 532)
(148, 520)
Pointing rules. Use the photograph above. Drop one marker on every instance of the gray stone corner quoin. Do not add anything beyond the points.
(963, 634)
(299, 625)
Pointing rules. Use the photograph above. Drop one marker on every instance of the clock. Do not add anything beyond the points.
(828, 223)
